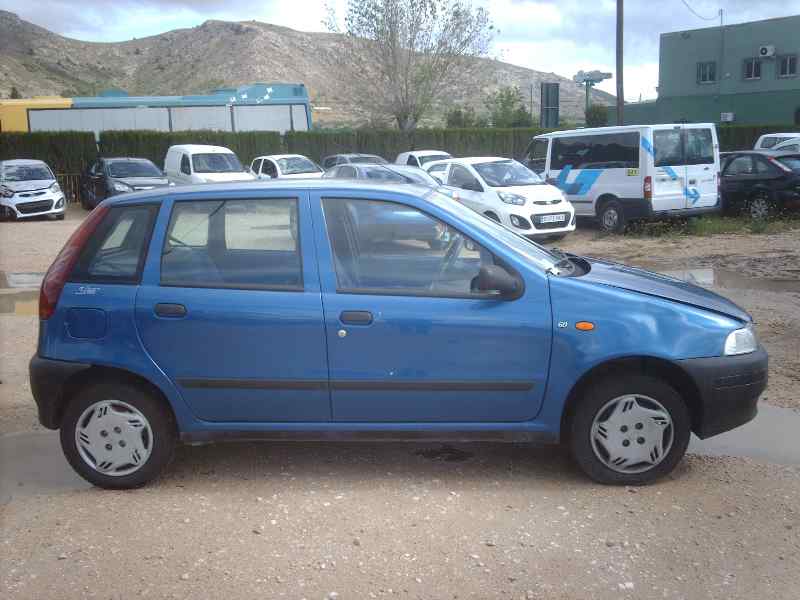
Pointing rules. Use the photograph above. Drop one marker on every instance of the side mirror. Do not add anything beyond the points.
(495, 279)
(472, 187)
(437, 178)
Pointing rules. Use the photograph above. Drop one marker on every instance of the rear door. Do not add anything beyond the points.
(737, 179)
(470, 190)
(230, 308)
(669, 174)
(701, 153)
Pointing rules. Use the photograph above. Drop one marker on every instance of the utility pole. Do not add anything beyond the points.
(620, 87)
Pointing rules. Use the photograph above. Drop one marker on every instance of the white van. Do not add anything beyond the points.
(192, 163)
(619, 174)
(768, 141)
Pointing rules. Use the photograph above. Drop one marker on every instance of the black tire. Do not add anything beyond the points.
(84, 201)
(597, 396)
(612, 217)
(159, 418)
(60, 217)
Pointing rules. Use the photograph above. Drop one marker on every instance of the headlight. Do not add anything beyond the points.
(55, 188)
(741, 341)
(510, 198)
(121, 187)
(6, 192)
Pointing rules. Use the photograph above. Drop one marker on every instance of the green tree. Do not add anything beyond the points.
(460, 117)
(15, 93)
(407, 54)
(596, 115)
(507, 109)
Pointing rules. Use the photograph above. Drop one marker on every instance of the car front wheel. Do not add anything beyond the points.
(117, 435)
(612, 217)
(629, 430)
(760, 205)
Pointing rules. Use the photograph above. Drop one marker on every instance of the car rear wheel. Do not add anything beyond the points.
(117, 435)
(629, 430)
(760, 205)
(612, 217)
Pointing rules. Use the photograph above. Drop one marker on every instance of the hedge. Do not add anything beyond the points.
(154, 144)
(63, 151)
(743, 137)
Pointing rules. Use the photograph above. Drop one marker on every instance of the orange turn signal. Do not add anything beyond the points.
(584, 326)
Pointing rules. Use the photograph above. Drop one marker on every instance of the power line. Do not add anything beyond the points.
(698, 15)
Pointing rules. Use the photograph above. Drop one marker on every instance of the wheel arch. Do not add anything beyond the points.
(663, 369)
(601, 201)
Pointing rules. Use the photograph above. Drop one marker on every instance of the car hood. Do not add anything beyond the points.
(662, 286)
(142, 182)
(220, 177)
(534, 193)
(27, 186)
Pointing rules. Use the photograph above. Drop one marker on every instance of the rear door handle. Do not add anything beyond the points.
(356, 317)
(174, 311)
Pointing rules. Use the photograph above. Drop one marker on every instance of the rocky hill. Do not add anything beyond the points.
(223, 54)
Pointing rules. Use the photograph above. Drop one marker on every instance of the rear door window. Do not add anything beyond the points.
(115, 253)
(667, 147)
(243, 244)
(699, 147)
(741, 165)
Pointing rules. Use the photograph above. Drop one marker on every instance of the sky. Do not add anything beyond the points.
(559, 36)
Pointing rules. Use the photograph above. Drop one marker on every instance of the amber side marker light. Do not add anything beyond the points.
(584, 326)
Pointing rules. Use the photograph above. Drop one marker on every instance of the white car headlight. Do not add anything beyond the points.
(121, 187)
(741, 341)
(55, 188)
(6, 192)
(510, 198)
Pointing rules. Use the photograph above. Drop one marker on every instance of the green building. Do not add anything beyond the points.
(745, 74)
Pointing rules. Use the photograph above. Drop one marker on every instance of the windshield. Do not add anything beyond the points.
(506, 173)
(216, 163)
(133, 168)
(432, 157)
(294, 165)
(792, 162)
(410, 175)
(525, 248)
(368, 158)
(26, 172)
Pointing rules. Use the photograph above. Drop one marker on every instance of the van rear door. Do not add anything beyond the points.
(669, 174)
(701, 153)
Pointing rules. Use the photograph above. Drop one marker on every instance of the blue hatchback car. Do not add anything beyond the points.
(255, 311)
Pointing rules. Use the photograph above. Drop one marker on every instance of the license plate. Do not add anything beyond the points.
(551, 218)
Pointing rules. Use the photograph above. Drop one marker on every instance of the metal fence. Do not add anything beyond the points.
(70, 184)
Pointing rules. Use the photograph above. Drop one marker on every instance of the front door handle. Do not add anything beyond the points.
(356, 317)
(174, 311)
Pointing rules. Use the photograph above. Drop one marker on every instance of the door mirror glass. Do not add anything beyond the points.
(495, 279)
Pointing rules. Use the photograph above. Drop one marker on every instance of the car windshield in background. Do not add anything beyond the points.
(133, 168)
(410, 175)
(216, 163)
(294, 165)
(506, 173)
(26, 173)
(793, 162)
(432, 157)
(368, 158)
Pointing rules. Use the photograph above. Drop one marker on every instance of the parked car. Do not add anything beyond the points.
(317, 336)
(285, 166)
(111, 176)
(344, 159)
(761, 183)
(418, 158)
(770, 140)
(792, 145)
(508, 192)
(191, 163)
(28, 188)
(387, 173)
(632, 172)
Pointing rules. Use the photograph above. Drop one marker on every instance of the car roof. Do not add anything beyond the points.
(617, 129)
(118, 158)
(22, 162)
(338, 186)
(426, 152)
(791, 133)
(474, 160)
(197, 148)
(277, 156)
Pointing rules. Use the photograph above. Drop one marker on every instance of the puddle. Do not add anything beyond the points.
(445, 453)
(23, 304)
(21, 280)
(727, 279)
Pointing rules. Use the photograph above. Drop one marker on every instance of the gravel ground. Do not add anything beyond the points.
(365, 520)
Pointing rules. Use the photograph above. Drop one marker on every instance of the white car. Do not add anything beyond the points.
(419, 158)
(768, 141)
(792, 145)
(28, 188)
(192, 163)
(285, 166)
(508, 192)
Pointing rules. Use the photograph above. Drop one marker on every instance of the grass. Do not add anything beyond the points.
(713, 225)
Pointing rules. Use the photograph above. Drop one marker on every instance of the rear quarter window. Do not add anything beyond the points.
(116, 251)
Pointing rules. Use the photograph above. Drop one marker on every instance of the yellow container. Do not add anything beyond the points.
(14, 113)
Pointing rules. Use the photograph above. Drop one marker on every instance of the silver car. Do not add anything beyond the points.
(28, 188)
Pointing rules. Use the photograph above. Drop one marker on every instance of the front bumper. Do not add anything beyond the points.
(48, 379)
(34, 206)
(729, 389)
(529, 224)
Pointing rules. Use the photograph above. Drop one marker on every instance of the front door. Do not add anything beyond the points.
(669, 176)
(700, 150)
(230, 310)
(409, 340)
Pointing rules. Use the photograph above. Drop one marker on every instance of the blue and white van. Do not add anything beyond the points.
(619, 174)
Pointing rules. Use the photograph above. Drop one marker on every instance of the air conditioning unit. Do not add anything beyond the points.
(767, 51)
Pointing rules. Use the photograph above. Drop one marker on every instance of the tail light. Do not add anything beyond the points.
(59, 271)
(648, 188)
(779, 164)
